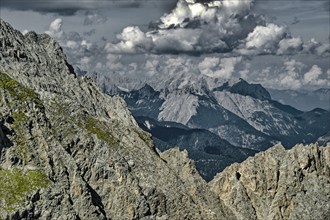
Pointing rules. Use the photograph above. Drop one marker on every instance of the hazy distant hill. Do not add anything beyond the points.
(303, 100)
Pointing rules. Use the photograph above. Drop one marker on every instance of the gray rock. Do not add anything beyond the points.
(77, 153)
(278, 184)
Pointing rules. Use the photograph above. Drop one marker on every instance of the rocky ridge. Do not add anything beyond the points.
(243, 114)
(68, 151)
(278, 184)
(93, 159)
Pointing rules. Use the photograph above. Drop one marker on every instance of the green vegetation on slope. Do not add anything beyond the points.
(100, 130)
(18, 102)
(15, 184)
(19, 98)
(17, 91)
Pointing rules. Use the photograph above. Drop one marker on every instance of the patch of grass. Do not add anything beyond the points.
(15, 184)
(17, 91)
(19, 117)
(100, 130)
(19, 98)
(20, 127)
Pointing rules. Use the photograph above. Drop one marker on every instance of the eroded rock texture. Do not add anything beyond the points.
(93, 159)
(278, 184)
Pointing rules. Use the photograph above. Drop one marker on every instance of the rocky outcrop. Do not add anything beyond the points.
(278, 184)
(70, 152)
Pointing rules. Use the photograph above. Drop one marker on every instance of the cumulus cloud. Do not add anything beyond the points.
(132, 40)
(199, 27)
(218, 68)
(220, 33)
(80, 51)
(208, 11)
(263, 39)
(194, 28)
(312, 77)
(316, 47)
(151, 66)
(290, 78)
(114, 63)
(55, 28)
(294, 75)
(264, 36)
(290, 46)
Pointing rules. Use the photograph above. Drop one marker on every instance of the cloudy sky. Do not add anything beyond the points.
(281, 44)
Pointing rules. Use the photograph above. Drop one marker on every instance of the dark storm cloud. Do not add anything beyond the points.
(64, 7)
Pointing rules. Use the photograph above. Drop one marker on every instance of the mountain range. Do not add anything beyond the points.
(69, 151)
(191, 113)
(303, 100)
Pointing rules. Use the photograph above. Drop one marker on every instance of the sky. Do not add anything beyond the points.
(282, 44)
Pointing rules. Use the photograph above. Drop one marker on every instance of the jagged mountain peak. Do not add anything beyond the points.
(242, 87)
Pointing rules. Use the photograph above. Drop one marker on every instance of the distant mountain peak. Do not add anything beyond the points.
(242, 87)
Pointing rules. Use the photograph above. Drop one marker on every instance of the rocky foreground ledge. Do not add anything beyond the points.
(278, 184)
(67, 151)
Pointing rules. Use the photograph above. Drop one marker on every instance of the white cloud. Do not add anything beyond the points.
(323, 49)
(294, 76)
(312, 77)
(316, 47)
(265, 38)
(85, 62)
(132, 40)
(114, 62)
(55, 28)
(205, 67)
(290, 78)
(195, 27)
(72, 44)
(192, 27)
(151, 66)
(86, 44)
(289, 46)
(219, 68)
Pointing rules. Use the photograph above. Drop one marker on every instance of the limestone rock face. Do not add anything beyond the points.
(70, 152)
(278, 184)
